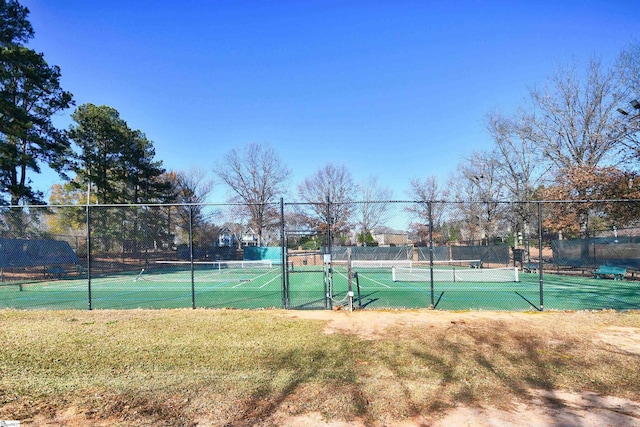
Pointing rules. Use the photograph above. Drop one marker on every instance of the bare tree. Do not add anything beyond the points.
(190, 189)
(333, 183)
(629, 67)
(521, 167)
(422, 191)
(256, 178)
(192, 186)
(373, 208)
(477, 185)
(572, 122)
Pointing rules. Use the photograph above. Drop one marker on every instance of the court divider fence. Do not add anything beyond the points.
(451, 255)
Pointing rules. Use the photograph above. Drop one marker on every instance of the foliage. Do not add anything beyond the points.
(366, 239)
(587, 186)
(116, 164)
(14, 28)
(24, 222)
(115, 161)
(30, 95)
(309, 243)
(70, 217)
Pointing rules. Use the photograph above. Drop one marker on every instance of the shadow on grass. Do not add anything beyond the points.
(289, 372)
(495, 363)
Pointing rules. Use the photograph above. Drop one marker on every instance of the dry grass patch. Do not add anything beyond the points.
(236, 368)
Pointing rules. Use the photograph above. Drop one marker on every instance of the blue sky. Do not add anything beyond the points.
(397, 90)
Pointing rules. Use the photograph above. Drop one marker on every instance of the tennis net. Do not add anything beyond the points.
(374, 264)
(359, 263)
(474, 263)
(223, 265)
(206, 271)
(472, 275)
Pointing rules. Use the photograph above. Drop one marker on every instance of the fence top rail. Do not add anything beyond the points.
(130, 205)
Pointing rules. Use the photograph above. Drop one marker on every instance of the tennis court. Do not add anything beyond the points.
(171, 286)
(377, 289)
(164, 286)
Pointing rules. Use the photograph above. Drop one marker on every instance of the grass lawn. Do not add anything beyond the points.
(237, 367)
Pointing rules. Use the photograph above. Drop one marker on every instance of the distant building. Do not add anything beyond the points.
(227, 238)
(386, 236)
(249, 237)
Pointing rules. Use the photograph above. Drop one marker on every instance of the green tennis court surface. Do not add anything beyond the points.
(162, 289)
(263, 288)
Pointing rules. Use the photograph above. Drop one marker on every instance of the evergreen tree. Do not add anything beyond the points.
(30, 94)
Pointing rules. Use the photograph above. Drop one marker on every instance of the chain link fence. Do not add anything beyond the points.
(448, 255)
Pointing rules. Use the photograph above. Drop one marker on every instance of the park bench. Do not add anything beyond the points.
(475, 264)
(609, 270)
(56, 272)
(531, 267)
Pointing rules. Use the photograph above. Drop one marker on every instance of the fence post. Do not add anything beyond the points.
(328, 224)
(433, 303)
(283, 253)
(540, 255)
(89, 255)
(193, 286)
(329, 295)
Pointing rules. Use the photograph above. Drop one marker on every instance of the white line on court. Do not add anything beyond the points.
(257, 277)
(369, 279)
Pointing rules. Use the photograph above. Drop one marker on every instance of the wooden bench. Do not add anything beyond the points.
(609, 270)
(56, 272)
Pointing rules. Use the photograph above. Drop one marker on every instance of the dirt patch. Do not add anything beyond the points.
(371, 325)
(558, 408)
(561, 408)
(548, 408)
(621, 338)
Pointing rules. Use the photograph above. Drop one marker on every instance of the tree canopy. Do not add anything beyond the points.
(30, 94)
(115, 162)
(574, 138)
(15, 28)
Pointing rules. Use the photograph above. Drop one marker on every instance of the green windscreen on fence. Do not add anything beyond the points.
(35, 252)
(592, 252)
(263, 253)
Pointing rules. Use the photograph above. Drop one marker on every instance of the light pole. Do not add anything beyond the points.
(635, 127)
(635, 104)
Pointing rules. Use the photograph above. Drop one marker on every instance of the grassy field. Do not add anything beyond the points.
(236, 367)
